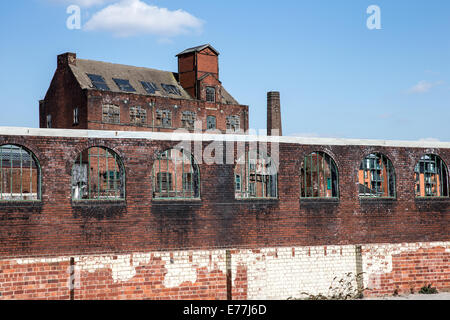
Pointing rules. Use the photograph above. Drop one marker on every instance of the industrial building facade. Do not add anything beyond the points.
(123, 208)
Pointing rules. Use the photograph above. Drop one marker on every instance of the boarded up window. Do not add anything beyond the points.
(163, 118)
(138, 115)
(111, 114)
(188, 119)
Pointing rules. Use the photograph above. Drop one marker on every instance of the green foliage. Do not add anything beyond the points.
(428, 290)
(341, 289)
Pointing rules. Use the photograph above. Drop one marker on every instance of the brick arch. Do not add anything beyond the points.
(102, 145)
(326, 151)
(36, 156)
(445, 167)
(41, 158)
(71, 156)
(388, 155)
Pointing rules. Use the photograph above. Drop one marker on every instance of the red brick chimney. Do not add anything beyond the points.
(193, 64)
(66, 59)
(273, 114)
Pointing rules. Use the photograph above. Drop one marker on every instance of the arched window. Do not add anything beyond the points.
(431, 176)
(98, 174)
(376, 177)
(255, 177)
(20, 174)
(319, 176)
(175, 176)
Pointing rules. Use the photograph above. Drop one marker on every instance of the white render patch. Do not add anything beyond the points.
(183, 265)
(272, 273)
(186, 136)
(280, 273)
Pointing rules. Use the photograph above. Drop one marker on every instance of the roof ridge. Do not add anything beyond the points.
(125, 65)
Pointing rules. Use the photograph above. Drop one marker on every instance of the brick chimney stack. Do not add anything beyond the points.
(273, 113)
(66, 59)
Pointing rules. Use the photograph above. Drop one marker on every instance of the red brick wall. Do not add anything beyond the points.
(57, 226)
(63, 95)
(97, 99)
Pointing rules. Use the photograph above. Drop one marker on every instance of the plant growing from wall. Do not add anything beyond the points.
(346, 288)
(428, 289)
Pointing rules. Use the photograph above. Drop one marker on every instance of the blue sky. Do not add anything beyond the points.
(337, 78)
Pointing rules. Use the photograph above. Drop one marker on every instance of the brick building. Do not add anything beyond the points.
(86, 94)
(114, 214)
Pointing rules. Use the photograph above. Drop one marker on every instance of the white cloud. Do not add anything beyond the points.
(83, 3)
(133, 17)
(424, 86)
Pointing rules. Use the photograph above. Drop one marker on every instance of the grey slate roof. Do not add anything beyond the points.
(198, 48)
(134, 74)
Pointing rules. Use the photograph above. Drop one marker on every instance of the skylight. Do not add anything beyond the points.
(171, 89)
(124, 85)
(150, 87)
(98, 82)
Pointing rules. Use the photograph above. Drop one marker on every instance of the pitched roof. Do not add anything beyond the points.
(198, 48)
(134, 75)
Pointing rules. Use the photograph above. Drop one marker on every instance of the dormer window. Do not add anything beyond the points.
(210, 94)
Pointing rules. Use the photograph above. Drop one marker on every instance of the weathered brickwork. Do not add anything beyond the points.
(270, 241)
(267, 273)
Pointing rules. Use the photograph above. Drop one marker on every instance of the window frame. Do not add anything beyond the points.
(417, 180)
(118, 168)
(76, 120)
(209, 94)
(250, 179)
(193, 194)
(33, 159)
(326, 180)
(138, 112)
(112, 116)
(208, 122)
(387, 165)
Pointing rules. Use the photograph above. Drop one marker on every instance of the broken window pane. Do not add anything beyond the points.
(210, 94)
(255, 177)
(175, 176)
(111, 114)
(163, 118)
(188, 119)
(211, 123)
(124, 85)
(233, 123)
(20, 174)
(431, 177)
(98, 174)
(150, 87)
(376, 177)
(171, 89)
(138, 115)
(98, 82)
(319, 176)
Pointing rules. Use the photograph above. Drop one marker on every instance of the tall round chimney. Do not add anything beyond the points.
(273, 114)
